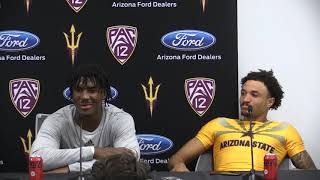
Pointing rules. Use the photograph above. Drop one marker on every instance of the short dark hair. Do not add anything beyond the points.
(90, 72)
(120, 166)
(272, 84)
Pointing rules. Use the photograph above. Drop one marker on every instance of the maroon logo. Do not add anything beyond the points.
(122, 41)
(200, 93)
(24, 94)
(76, 5)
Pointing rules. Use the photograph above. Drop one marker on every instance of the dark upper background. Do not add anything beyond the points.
(172, 117)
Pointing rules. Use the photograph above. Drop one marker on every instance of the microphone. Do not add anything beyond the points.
(252, 173)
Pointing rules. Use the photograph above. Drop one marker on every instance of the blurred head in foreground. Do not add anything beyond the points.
(120, 166)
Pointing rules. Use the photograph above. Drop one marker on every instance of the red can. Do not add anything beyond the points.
(270, 167)
(35, 168)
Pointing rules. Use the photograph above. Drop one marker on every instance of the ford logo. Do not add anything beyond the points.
(17, 40)
(188, 40)
(67, 93)
(153, 144)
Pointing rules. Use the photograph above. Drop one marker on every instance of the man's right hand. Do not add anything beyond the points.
(64, 169)
(100, 153)
(191, 150)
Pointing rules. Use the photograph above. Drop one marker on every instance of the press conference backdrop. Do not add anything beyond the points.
(173, 63)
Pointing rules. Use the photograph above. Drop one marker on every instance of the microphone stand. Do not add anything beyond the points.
(252, 172)
(81, 145)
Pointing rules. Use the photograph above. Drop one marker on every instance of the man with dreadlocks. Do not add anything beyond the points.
(229, 138)
(106, 129)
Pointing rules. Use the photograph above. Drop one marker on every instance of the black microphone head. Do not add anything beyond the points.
(250, 109)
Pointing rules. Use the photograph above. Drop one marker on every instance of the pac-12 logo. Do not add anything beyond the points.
(76, 5)
(188, 40)
(24, 94)
(122, 41)
(200, 93)
(153, 144)
(17, 41)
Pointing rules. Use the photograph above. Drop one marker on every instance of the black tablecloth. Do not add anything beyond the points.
(195, 175)
(282, 175)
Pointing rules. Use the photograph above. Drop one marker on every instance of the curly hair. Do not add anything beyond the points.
(90, 72)
(120, 166)
(272, 84)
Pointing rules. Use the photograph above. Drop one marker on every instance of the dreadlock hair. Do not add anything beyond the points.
(272, 84)
(120, 166)
(90, 72)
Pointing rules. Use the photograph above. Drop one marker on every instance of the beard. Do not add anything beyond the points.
(245, 114)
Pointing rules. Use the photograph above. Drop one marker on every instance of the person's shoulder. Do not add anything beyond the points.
(63, 113)
(114, 109)
(280, 122)
(116, 112)
(220, 120)
(223, 119)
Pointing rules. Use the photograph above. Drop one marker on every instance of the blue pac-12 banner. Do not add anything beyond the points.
(172, 65)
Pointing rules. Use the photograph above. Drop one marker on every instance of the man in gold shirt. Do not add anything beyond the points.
(230, 138)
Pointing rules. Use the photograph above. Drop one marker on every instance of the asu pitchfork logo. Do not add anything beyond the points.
(149, 96)
(27, 145)
(24, 94)
(203, 4)
(73, 43)
(27, 4)
(200, 93)
(122, 41)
